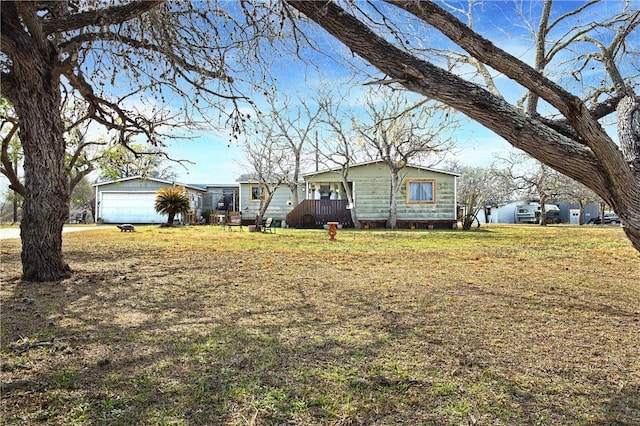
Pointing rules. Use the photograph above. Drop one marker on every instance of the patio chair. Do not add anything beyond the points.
(234, 221)
(268, 225)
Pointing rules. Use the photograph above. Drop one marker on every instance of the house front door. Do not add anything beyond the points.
(325, 192)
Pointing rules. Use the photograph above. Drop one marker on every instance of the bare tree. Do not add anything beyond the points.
(400, 132)
(575, 143)
(292, 125)
(337, 143)
(533, 180)
(267, 165)
(141, 68)
(476, 188)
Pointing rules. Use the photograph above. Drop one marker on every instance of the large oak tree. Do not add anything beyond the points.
(136, 67)
(572, 140)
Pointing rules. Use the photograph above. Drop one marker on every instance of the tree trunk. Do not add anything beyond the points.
(472, 207)
(171, 217)
(467, 222)
(92, 209)
(629, 135)
(393, 203)
(15, 207)
(46, 201)
(295, 200)
(32, 84)
(543, 211)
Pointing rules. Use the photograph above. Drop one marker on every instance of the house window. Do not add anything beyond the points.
(257, 192)
(421, 191)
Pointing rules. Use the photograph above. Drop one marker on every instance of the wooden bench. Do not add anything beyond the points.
(234, 221)
(268, 226)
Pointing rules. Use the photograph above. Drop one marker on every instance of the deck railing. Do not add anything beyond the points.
(315, 213)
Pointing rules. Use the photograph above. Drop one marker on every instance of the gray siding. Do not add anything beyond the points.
(278, 208)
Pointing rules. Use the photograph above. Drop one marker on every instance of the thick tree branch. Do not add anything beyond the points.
(74, 179)
(144, 45)
(8, 168)
(487, 53)
(524, 132)
(27, 12)
(629, 130)
(100, 17)
(569, 105)
(79, 151)
(11, 29)
(598, 111)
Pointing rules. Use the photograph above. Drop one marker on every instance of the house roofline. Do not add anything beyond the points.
(366, 163)
(186, 185)
(255, 182)
(218, 185)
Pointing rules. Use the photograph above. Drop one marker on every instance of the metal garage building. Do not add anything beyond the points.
(132, 199)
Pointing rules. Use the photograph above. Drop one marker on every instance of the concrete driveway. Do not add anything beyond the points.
(6, 233)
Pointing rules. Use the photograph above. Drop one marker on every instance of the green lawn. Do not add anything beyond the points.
(508, 325)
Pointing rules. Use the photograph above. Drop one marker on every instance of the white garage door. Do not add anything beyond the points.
(129, 207)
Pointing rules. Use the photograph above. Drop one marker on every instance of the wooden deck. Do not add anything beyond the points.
(315, 213)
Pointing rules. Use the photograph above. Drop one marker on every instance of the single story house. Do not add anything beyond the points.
(426, 197)
(132, 200)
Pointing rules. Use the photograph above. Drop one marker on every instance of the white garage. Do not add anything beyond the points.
(129, 207)
(132, 200)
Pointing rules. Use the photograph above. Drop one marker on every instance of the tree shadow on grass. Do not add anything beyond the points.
(624, 408)
(199, 339)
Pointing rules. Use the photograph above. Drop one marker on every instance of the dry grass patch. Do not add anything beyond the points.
(200, 326)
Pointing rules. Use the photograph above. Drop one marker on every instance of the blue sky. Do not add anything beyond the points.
(218, 162)
(215, 160)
